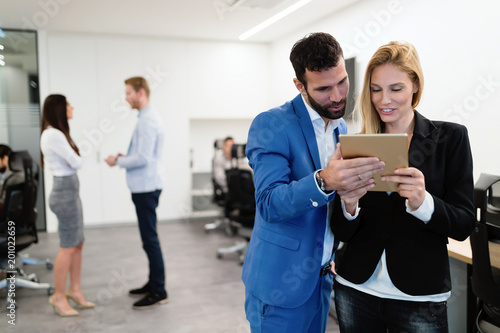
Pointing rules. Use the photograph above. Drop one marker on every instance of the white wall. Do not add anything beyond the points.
(227, 84)
(188, 79)
(458, 44)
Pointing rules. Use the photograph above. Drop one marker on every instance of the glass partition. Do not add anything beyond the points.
(20, 100)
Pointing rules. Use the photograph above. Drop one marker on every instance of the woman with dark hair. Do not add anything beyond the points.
(61, 156)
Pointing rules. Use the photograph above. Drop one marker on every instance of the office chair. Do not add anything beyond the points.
(240, 203)
(18, 219)
(485, 244)
(219, 198)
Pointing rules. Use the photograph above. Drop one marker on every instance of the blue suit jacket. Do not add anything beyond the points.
(283, 260)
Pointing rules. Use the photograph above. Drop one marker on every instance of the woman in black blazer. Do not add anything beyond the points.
(394, 275)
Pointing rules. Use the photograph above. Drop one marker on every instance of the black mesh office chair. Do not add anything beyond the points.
(485, 244)
(18, 224)
(240, 203)
(219, 198)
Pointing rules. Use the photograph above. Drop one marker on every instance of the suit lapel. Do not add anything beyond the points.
(424, 140)
(307, 129)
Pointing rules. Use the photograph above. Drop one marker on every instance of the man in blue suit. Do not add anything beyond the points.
(297, 171)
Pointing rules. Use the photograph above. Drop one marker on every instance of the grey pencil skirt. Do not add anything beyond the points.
(64, 201)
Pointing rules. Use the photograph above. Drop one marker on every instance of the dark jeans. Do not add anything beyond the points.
(363, 313)
(145, 207)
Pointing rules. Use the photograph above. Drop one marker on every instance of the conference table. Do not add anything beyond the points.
(462, 251)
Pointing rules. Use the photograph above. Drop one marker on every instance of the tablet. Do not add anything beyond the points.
(389, 148)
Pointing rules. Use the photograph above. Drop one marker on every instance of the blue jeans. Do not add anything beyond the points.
(145, 207)
(310, 317)
(363, 313)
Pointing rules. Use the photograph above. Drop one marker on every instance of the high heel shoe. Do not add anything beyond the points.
(84, 305)
(57, 309)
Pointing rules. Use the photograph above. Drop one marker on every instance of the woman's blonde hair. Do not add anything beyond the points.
(405, 57)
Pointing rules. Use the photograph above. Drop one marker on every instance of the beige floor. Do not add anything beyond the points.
(205, 294)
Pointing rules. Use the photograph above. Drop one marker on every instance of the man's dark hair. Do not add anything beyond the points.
(228, 138)
(5, 151)
(315, 52)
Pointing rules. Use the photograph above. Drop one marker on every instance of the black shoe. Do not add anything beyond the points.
(150, 301)
(141, 291)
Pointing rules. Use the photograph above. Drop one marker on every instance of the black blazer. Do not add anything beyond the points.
(416, 252)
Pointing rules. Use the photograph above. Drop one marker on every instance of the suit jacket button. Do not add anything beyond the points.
(315, 204)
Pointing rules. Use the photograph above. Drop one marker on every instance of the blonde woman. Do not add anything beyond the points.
(394, 275)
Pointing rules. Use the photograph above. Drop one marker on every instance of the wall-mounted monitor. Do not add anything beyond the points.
(350, 66)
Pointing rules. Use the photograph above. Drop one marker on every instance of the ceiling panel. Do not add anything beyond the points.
(221, 20)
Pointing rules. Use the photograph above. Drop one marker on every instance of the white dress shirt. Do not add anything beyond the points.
(380, 283)
(326, 146)
(220, 165)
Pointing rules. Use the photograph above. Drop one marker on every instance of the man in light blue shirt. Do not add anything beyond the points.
(144, 179)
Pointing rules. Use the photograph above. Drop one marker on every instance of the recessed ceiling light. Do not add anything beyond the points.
(273, 19)
(2, 63)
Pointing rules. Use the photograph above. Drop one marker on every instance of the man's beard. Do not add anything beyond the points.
(3, 169)
(134, 104)
(323, 110)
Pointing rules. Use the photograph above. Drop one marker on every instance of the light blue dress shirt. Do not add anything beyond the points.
(143, 161)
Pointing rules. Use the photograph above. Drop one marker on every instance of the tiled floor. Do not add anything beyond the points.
(205, 294)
